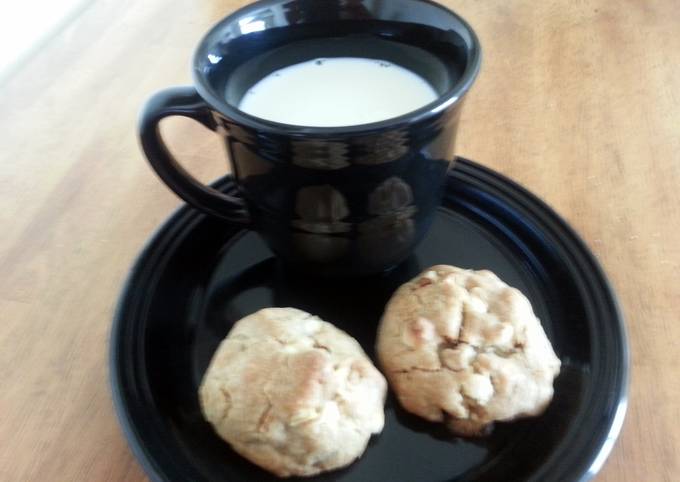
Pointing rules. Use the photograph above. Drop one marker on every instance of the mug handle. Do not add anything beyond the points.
(185, 101)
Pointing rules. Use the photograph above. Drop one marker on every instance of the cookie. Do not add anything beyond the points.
(462, 347)
(292, 393)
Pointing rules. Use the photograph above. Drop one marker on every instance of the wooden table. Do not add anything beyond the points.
(578, 101)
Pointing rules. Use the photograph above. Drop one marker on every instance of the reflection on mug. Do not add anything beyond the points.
(321, 204)
(388, 237)
(321, 155)
(382, 148)
(390, 196)
(320, 210)
(248, 163)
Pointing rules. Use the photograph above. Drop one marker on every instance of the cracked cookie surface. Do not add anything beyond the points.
(462, 347)
(293, 393)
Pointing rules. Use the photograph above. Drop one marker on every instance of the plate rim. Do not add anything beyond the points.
(185, 216)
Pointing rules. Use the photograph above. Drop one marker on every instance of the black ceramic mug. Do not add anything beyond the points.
(331, 200)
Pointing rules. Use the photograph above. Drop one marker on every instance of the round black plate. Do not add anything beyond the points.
(199, 275)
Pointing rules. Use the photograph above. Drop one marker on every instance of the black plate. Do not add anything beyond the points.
(198, 275)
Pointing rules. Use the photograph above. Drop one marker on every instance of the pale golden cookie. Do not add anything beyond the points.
(462, 347)
(292, 393)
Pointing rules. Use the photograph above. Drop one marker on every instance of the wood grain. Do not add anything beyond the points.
(579, 101)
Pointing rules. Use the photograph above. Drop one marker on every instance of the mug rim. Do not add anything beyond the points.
(443, 102)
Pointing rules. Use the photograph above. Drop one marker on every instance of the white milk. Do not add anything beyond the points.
(335, 92)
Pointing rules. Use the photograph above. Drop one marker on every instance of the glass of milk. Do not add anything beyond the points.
(339, 119)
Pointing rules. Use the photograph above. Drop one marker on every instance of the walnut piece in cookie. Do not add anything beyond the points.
(462, 347)
(292, 393)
